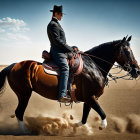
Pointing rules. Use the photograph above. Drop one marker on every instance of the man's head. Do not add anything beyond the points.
(57, 12)
(58, 15)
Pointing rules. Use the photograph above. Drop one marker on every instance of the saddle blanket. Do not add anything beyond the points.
(51, 68)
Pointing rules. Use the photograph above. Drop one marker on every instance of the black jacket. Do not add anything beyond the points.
(57, 37)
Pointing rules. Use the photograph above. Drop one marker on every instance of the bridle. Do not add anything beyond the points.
(127, 66)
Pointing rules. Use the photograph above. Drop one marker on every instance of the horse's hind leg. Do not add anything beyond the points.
(23, 99)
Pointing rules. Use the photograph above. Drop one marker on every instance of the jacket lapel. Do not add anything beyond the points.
(54, 19)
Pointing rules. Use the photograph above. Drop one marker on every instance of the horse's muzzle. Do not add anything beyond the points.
(135, 72)
(138, 72)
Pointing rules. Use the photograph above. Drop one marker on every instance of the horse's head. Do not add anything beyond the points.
(126, 58)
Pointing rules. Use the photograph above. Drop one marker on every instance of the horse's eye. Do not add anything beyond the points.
(125, 48)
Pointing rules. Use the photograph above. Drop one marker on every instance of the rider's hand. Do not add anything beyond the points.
(75, 49)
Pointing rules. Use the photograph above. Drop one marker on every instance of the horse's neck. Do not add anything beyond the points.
(104, 52)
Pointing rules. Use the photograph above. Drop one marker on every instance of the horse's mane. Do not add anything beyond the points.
(105, 51)
(104, 46)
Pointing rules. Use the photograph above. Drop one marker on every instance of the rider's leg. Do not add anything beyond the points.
(61, 60)
(64, 75)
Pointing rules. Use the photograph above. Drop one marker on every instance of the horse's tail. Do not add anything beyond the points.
(3, 75)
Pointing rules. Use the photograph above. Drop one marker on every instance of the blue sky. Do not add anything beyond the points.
(87, 23)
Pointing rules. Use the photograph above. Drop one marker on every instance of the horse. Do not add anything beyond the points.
(27, 76)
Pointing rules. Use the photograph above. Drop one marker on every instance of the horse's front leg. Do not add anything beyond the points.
(86, 110)
(92, 103)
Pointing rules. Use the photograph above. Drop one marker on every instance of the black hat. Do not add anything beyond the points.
(57, 9)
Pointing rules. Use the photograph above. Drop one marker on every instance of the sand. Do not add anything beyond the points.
(48, 121)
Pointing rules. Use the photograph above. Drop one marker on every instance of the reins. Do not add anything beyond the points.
(97, 58)
(113, 78)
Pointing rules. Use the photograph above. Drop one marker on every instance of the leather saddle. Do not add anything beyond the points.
(74, 60)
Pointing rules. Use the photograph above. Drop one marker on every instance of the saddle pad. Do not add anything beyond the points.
(51, 70)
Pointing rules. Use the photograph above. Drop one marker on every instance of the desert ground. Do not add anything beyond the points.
(46, 120)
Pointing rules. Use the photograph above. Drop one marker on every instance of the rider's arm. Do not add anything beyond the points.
(56, 39)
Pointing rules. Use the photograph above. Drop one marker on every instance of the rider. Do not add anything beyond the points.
(58, 49)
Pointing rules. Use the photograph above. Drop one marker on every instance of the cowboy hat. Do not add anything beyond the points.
(58, 9)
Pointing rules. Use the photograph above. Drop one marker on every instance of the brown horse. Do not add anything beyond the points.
(27, 76)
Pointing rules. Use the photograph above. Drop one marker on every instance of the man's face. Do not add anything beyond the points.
(58, 15)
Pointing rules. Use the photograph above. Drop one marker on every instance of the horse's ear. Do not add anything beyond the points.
(123, 40)
(126, 36)
(129, 38)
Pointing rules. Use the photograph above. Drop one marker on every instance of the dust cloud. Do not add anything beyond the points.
(65, 125)
(129, 124)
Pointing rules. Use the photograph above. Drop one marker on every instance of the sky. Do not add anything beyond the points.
(87, 23)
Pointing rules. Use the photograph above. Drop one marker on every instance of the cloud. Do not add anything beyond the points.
(2, 30)
(9, 21)
(15, 25)
(13, 30)
(17, 37)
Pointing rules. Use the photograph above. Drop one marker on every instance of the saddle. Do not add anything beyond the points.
(74, 60)
(75, 64)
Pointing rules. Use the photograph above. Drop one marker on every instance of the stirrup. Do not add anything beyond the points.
(65, 99)
(70, 104)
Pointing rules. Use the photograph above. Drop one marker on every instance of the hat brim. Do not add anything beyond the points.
(53, 11)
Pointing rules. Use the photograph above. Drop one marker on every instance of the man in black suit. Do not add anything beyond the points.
(58, 51)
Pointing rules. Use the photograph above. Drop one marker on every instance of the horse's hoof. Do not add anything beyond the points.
(79, 124)
(103, 124)
(26, 131)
